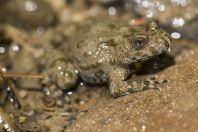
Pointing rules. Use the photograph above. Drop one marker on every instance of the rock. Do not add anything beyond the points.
(23, 94)
(27, 14)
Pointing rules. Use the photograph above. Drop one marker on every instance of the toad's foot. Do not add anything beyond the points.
(52, 95)
(124, 87)
(152, 83)
(130, 86)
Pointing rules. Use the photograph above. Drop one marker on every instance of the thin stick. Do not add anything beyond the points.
(16, 94)
(18, 75)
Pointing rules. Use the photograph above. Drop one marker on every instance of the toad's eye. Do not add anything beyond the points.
(139, 43)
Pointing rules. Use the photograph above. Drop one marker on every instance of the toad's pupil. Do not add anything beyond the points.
(139, 43)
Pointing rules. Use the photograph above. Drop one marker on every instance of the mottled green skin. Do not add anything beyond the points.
(105, 55)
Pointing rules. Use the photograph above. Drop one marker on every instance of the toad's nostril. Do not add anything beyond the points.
(152, 25)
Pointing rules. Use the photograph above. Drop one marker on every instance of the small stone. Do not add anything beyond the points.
(23, 94)
(22, 119)
(86, 106)
(48, 101)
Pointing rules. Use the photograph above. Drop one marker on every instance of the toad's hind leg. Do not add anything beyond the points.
(118, 86)
(62, 73)
(59, 72)
(58, 77)
(59, 69)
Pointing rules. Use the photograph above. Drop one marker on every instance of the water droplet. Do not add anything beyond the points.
(8, 88)
(81, 84)
(137, 1)
(3, 69)
(9, 130)
(149, 14)
(15, 47)
(143, 128)
(178, 22)
(89, 53)
(70, 93)
(94, 11)
(145, 4)
(46, 91)
(1, 120)
(179, 2)
(40, 29)
(175, 35)
(2, 50)
(59, 68)
(6, 126)
(62, 73)
(112, 11)
(100, 60)
(169, 49)
(11, 100)
(76, 71)
(82, 102)
(162, 8)
(155, 66)
(30, 6)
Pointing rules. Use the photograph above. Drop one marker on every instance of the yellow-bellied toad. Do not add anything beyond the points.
(105, 54)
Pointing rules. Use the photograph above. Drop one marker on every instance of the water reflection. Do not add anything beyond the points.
(177, 16)
(2, 50)
(30, 6)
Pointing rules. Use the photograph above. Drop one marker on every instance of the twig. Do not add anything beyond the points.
(18, 75)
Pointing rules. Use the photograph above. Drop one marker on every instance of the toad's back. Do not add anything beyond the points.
(103, 47)
(93, 53)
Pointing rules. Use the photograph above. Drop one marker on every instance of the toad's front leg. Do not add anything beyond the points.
(119, 85)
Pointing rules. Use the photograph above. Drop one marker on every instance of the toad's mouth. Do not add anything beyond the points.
(147, 57)
(153, 65)
(138, 65)
(141, 59)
